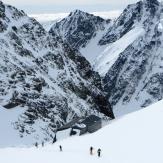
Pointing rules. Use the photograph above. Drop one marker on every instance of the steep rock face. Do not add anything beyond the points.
(78, 28)
(135, 79)
(44, 76)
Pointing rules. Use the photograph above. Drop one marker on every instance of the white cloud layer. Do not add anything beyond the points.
(74, 2)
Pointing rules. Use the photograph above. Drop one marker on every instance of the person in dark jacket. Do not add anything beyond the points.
(60, 148)
(99, 152)
(42, 144)
(54, 139)
(91, 150)
(36, 145)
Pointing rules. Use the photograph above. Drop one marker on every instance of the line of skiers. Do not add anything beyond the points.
(91, 150)
(36, 144)
(61, 149)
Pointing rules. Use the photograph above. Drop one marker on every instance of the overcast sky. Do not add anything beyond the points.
(52, 6)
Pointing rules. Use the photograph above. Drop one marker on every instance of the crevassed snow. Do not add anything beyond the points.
(134, 138)
(108, 57)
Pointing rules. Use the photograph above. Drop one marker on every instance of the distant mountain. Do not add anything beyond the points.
(44, 78)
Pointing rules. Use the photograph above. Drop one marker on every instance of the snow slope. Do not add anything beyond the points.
(111, 53)
(92, 50)
(135, 138)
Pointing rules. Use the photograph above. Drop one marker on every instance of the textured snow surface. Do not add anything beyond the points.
(135, 138)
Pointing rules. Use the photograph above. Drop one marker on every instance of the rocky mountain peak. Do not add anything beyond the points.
(78, 28)
(156, 2)
(77, 12)
(85, 15)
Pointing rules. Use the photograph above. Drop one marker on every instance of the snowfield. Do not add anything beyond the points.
(134, 138)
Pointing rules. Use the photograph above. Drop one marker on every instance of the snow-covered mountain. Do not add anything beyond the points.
(89, 27)
(43, 78)
(79, 29)
(132, 63)
(49, 19)
(134, 138)
(128, 51)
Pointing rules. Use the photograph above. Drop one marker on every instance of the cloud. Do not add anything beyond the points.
(64, 2)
